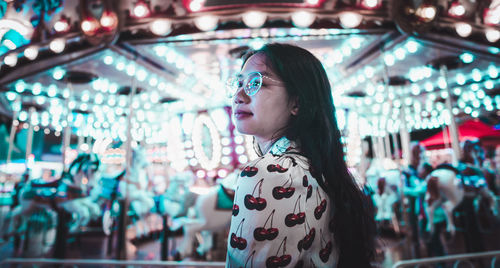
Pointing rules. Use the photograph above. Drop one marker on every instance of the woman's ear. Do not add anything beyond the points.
(295, 107)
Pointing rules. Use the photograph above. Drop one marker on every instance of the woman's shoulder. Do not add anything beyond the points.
(279, 164)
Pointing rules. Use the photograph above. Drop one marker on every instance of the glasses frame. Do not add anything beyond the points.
(232, 84)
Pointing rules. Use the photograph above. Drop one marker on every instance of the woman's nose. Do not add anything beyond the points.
(241, 96)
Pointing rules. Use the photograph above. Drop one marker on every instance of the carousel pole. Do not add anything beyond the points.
(453, 124)
(67, 129)
(13, 128)
(29, 140)
(122, 249)
(405, 136)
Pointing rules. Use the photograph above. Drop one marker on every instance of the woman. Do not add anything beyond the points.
(296, 205)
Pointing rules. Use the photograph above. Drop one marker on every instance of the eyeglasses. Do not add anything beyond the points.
(251, 83)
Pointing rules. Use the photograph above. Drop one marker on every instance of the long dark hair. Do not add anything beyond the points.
(315, 129)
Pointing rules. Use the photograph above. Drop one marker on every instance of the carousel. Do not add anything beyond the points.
(116, 125)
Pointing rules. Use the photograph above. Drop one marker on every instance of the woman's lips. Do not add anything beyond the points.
(240, 114)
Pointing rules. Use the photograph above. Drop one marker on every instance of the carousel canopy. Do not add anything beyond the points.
(469, 130)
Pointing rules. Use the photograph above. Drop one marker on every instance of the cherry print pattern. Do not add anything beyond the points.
(321, 208)
(249, 171)
(305, 181)
(236, 208)
(276, 168)
(280, 192)
(238, 241)
(279, 261)
(273, 182)
(309, 192)
(293, 219)
(261, 233)
(308, 239)
(257, 203)
(324, 253)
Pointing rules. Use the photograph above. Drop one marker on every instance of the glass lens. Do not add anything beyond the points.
(253, 83)
(232, 86)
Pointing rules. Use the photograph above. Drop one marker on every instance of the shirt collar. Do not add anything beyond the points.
(281, 146)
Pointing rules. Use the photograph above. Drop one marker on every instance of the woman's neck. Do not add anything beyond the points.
(264, 144)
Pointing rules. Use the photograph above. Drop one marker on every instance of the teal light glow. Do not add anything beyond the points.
(457, 91)
(460, 79)
(489, 84)
(415, 89)
(442, 82)
(11, 96)
(476, 75)
(389, 59)
(58, 73)
(120, 66)
(412, 46)
(429, 87)
(108, 60)
(467, 57)
(400, 53)
(492, 71)
(52, 90)
(369, 71)
(20, 86)
(36, 89)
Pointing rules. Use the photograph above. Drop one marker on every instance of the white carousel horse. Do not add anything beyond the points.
(65, 193)
(384, 178)
(445, 189)
(133, 186)
(206, 216)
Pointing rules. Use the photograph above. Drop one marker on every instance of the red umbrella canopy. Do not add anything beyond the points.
(469, 130)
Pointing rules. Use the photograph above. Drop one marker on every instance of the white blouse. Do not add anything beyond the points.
(281, 216)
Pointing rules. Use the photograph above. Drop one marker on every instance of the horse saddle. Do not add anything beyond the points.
(225, 198)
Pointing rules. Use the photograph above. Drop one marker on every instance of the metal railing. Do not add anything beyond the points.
(37, 262)
(469, 258)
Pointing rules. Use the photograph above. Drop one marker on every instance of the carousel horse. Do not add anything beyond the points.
(450, 188)
(210, 212)
(110, 187)
(384, 179)
(39, 201)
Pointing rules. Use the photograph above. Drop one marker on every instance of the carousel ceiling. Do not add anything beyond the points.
(158, 59)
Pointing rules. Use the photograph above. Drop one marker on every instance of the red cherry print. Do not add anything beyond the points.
(293, 219)
(285, 260)
(242, 243)
(272, 233)
(309, 238)
(280, 192)
(309, 191)
(238, 241)
(324, 253)
(236, 209)
(273, 261)
(305, 181)
(261, 233)
(252, 202)
(290, 220)
(320, 209)
(276, 168)
(279, 261)
(249, 171)
(289, 192)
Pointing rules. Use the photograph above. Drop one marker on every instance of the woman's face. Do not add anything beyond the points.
(268, 111)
